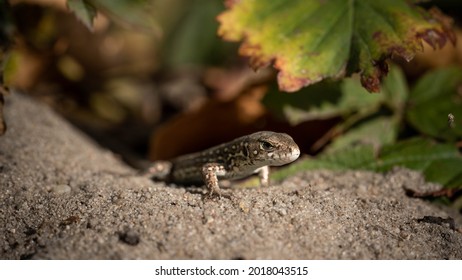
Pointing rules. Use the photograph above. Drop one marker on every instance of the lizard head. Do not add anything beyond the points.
(271, 148)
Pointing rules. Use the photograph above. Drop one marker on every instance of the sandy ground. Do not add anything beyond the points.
(63, 197)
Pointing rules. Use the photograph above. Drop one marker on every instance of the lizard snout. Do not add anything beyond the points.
(295, 153)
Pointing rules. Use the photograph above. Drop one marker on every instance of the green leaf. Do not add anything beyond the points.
(137, 13)
(441, 163)
(376, 132)
(297, 108)
(323, 100)
(372, 118)
(396, 91)
(352, 158)
(435, 96)
(310, 40)
(134, 13)
(447, 172)
(417, 154)
(84, 11)
(332, 99)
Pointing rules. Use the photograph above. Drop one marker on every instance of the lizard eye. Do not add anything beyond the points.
(266, 146)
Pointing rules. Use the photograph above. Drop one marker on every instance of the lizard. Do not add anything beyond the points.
(239, 158)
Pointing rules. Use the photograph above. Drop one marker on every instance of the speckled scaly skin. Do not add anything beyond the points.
(236, 159)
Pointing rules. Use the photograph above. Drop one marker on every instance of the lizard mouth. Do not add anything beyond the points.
(281, 159)
(295, 154)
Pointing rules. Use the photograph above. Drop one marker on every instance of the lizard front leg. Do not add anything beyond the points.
(210, 173)
(263, 175)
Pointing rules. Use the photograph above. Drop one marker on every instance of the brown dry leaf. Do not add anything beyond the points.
(229, 83)
(432, 58)
(215, 122)
(218, 121)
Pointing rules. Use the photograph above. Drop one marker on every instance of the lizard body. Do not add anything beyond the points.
(236, 159)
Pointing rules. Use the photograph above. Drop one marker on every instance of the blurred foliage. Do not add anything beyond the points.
(154, 75)
(5, 25)
(436, 95)
(84, 10)
(440, 163)
(137, 13)
(194, 41)
(5, 42)
(368, 118)
(371, 141)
